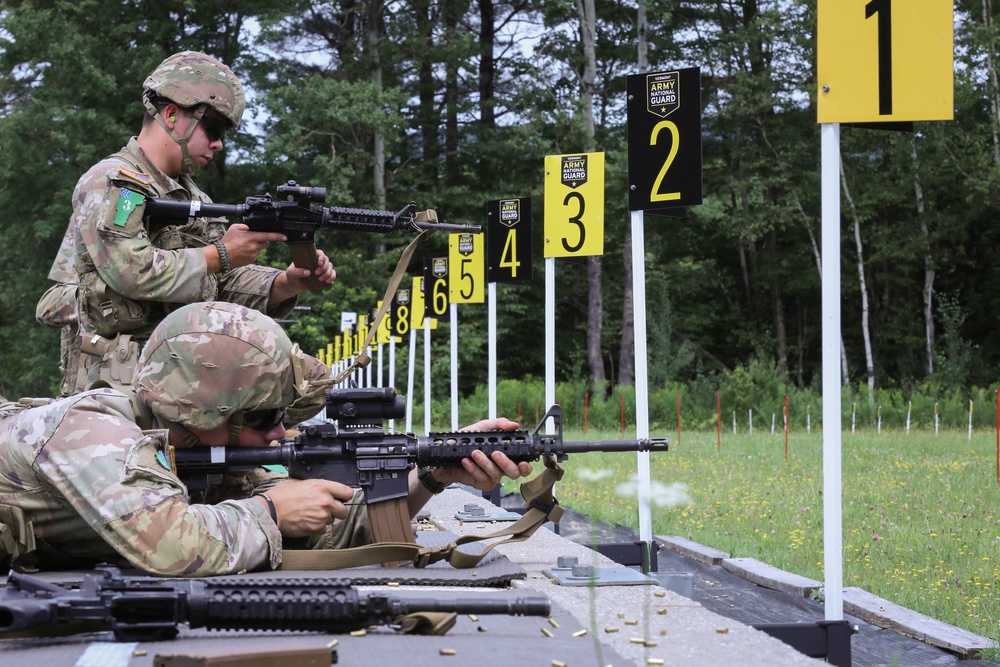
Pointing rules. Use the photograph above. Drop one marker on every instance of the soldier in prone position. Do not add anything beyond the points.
(84, 479)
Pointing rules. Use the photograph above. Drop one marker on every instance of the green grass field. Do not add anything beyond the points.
(921, 512)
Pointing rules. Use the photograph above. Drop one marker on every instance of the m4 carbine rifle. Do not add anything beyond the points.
(357, 451)
(294, 212)
(145, 608)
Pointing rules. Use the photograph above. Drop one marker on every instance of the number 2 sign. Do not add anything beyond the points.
(664, 139)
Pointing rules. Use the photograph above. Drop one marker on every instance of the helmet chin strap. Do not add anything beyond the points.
(187, 164)
(235, 427)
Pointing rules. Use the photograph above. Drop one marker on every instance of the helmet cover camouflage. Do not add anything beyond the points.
(192, 78)
(206, 362)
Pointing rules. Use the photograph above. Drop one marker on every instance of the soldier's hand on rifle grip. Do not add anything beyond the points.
(310, 269)
(294, 280)
(243, 246)
(307, 506)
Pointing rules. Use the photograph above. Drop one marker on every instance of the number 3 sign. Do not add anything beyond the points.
(574, 205)
(664, 139)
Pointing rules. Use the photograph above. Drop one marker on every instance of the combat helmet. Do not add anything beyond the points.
(207, 363)
(196, 81)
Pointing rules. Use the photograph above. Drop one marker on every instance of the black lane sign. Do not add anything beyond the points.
(664, 139)
(435, 287)
(508, 241)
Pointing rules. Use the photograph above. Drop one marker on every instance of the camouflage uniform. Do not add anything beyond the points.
(131, 276)
(87, 478)
(57, 308)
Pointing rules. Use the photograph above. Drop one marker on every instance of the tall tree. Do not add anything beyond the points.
(595, 289)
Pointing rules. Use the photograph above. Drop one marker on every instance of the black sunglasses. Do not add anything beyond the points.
(264, 420)
(215, 128)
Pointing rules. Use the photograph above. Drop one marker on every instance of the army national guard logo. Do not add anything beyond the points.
(403, 297)
(439, 266)
(574, 170)
(663, 93)
(510, 212)
(466, 246)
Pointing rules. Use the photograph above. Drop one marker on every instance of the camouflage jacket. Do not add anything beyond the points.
(93, 486)
(128, 274)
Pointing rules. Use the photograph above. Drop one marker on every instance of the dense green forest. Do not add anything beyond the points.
(451, 103)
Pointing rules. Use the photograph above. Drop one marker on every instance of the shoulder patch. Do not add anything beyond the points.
(138, 177)
(127, 202)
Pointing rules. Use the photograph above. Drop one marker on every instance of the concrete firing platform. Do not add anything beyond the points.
(685, 632)
(622, 626)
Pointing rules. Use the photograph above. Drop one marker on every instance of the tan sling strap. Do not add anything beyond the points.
(362, 359)
(537, 493)
(8, 408)
(17, 539)
(426, 622)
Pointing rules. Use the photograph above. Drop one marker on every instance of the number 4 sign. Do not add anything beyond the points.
(664, 139)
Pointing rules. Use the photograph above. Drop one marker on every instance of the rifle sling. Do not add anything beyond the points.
(363, 359)
(537, 494)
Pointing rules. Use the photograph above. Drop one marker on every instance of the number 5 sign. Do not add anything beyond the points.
(466, 268)
(664, 139)
(574, 205)
(884, 61)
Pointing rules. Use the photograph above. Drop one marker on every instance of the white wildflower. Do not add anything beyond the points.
(588, 475)
(660, 494)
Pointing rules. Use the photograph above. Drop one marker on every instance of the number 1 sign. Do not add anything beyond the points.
(884, 61)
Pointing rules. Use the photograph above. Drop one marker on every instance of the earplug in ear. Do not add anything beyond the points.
(173, 119)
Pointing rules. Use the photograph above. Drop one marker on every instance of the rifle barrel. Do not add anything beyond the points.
(640, 445)
(449, 227)
(531, 605)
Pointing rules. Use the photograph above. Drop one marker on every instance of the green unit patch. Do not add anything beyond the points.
(162, 460)
(127, 202)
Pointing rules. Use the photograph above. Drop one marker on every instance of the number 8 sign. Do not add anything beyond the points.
(664, 139)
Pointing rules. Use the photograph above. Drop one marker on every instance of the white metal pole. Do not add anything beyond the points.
(427, 375)
(491, 324)
(378, 380)
(409, 380)
(833, 538)
(550, 338)
(392, 373)
(641, 374)
(454, 367)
